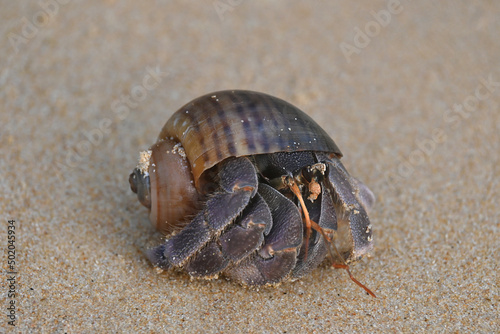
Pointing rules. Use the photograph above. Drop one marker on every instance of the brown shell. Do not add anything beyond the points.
(231, 123)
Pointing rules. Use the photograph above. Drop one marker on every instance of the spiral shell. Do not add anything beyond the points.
(236, 123)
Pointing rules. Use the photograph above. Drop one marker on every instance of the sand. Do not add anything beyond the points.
(410, 93)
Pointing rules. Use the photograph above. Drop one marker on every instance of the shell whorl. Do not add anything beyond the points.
(223, 124)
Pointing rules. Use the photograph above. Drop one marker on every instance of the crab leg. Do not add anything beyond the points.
(278, 255)
(311, 224)
(238, 182)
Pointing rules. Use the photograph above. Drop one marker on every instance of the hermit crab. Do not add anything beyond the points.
(247, 186)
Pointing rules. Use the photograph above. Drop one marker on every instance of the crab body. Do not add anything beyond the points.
(236, 179)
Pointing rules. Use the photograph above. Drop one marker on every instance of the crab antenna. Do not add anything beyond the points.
(296, 191)
(343, 265)
(311, 224)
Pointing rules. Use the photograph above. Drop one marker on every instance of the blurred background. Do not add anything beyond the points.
(408, 90)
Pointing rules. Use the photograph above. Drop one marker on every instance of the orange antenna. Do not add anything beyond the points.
(311, 224)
